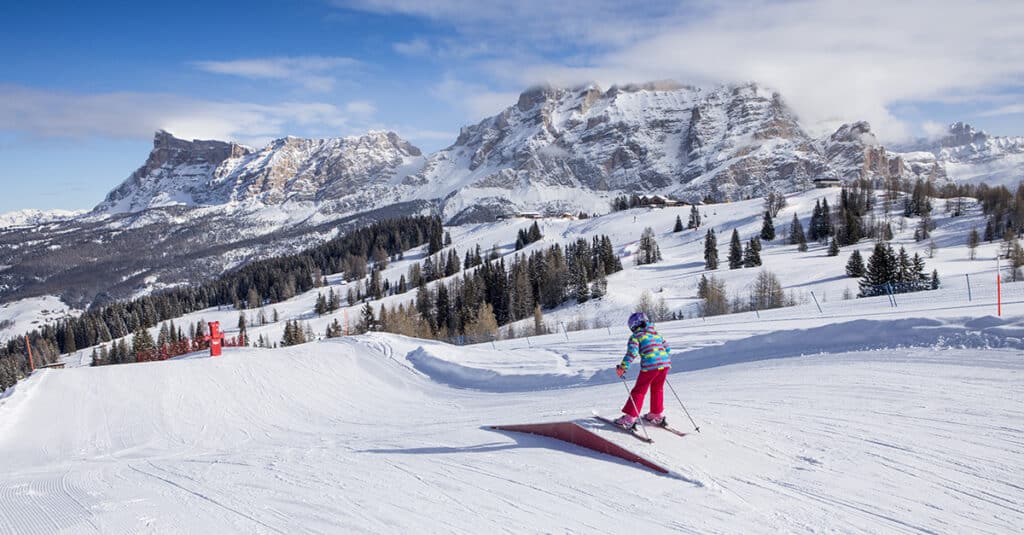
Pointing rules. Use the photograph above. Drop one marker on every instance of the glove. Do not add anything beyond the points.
(620, 371)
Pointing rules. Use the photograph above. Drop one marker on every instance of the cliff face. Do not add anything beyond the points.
(563, 149)
(175, 170)
(214, 173)
(853, 153)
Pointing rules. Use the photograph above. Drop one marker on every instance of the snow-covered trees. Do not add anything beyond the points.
(752, 253)
(648, 251)
(526, 237)
(889, 272)
(833, 247)
(656, 309)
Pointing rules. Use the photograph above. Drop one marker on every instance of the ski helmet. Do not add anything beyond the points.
(637, 319)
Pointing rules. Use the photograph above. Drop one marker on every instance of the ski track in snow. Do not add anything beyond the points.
(382, 433)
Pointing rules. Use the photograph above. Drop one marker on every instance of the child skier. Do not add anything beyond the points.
(655, 362)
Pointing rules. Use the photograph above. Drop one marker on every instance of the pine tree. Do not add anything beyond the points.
(833, 247)
(534, 233)
(142, 342)
(694, 221)
(935, 279)
(367, 321)
(814, 228)
(580, 288)
(855, 266)
(880, 271)
(443, 310)
(648, 252)
(825, 221)
(767, 228)
(679, 225)
(710, 250)
(796, 234)
(600, 285)
(752, 253)
(905, 268)
(735, 251)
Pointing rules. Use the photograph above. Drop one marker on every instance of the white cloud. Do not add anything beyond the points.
(311, 72)
(536, 21)
(48, 114)
(360, 107)
(832, 60)
(934, 130)
(1012, 109)
(474, 99)
(416, 47)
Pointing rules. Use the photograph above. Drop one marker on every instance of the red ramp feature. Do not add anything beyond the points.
(574, 434)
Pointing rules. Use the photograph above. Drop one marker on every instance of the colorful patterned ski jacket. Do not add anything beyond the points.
(652, 349)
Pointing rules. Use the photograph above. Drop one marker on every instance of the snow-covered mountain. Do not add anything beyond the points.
(555, 150)
(854, 153)
(198, 208)
(573, 149)
(973, 156)
(216, 173)
(32, 217)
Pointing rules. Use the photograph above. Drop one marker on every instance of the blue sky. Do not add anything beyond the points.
(85, 84)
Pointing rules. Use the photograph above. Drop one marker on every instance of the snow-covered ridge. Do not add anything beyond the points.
(214, 173)
(974, 156)
(32, 216)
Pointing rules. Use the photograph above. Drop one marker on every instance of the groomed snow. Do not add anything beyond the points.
(801, 431)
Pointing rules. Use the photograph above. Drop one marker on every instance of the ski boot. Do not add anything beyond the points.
(655, 419)
(626, 421)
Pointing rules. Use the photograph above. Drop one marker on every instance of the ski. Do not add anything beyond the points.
(672, 430)
(634, 431)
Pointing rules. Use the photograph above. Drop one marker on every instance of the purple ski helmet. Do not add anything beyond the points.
(637, 319)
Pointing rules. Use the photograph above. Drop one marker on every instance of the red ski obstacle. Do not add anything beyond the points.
(574, 434)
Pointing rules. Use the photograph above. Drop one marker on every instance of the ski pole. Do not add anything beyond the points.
(630, 394)
(695, 426)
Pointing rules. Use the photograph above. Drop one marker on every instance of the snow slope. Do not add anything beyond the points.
(356, 435)
(859, 416)
(24, 315)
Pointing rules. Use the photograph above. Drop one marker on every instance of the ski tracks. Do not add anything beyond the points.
(44, 504)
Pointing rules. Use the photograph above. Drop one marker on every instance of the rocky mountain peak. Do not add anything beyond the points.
(173, 167)
(960, 134)
(858, 132)
(536, 95)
